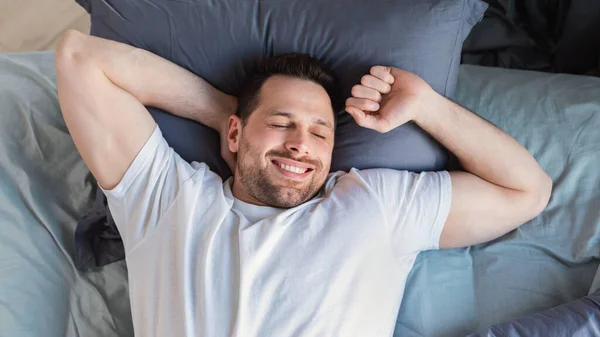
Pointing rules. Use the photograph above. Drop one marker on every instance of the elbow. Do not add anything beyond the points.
(69, 50)
(541, 195)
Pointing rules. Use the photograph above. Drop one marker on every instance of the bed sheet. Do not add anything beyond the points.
(44, 188)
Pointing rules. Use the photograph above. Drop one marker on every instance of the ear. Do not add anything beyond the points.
(234, 133)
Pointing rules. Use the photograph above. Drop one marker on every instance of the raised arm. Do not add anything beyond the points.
(103, 87)
(504, 186)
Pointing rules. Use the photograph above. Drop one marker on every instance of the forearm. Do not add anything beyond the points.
(482, 148)
(155, 81)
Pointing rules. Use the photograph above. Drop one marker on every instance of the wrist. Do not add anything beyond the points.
(228, 107)
(212, 107)
(230, 104)
(223, 124)
(430, 103)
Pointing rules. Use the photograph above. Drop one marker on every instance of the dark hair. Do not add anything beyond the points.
(302, 66)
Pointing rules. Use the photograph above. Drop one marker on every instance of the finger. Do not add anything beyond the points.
(383, 73)
(362, 104)
(366, 120)
(361, 118)
(360, 91)
(354, 111)
(375, 83)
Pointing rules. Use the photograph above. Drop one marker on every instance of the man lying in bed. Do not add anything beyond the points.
(283, 247)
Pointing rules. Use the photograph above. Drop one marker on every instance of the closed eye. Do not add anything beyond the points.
(284, 126)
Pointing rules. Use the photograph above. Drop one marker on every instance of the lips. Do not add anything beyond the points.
(292, 163)
(292, 168)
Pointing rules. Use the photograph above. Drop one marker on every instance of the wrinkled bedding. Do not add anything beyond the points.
(545, 35)
(45, 187)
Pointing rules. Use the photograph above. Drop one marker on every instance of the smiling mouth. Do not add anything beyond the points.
(291, 170)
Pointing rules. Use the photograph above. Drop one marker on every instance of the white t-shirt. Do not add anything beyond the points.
(202, 263)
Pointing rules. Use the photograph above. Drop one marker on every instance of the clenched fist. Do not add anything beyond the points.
(388, 97)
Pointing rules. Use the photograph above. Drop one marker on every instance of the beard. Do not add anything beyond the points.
(262, 186)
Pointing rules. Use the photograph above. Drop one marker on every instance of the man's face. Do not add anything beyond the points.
(284, 150)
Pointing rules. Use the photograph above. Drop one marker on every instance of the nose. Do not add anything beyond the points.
(297, 142)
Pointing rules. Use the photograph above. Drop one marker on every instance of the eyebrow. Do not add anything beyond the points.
(317, 120)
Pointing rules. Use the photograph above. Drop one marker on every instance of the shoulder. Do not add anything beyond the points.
(204, 192)
(365, 178)
(204, 181)
(383, 177)
(380, 176)
(385, 181)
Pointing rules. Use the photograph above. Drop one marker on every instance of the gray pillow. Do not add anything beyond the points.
(222, 40)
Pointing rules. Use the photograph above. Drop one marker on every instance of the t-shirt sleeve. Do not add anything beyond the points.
(148, 188)
(416, 206)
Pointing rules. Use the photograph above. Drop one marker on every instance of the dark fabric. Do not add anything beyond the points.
(578, 50)
(222, 40)
(97, 238)
(577, 318)
(544, 35)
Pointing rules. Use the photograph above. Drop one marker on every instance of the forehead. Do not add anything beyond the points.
(296, 97)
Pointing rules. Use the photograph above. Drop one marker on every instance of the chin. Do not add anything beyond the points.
(285, 200)
(293, 194)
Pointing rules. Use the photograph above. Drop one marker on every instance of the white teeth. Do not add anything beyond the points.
(292, 168)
